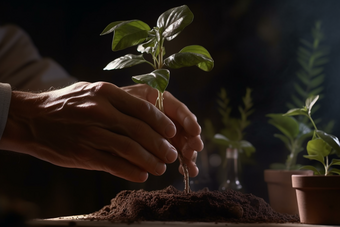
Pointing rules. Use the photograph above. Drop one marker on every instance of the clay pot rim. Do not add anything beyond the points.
(316, 181)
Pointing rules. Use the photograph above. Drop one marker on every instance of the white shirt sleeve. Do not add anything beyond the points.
(5, 100)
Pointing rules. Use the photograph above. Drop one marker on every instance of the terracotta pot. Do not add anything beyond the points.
(318, 199)
(282, 196)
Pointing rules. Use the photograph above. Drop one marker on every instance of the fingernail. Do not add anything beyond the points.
(171, 155)
(160, 168)
(170, 131)
(143, 176)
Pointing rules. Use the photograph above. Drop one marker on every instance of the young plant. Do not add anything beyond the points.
(311, 56)
(232, 135)
(151, 41)
(293, 135)
(322, 145)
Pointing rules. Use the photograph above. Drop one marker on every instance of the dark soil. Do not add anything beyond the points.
(171, 204)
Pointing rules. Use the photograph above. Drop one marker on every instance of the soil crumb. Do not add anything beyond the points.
(171, 204)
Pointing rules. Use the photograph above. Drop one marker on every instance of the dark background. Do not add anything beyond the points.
(253, 43)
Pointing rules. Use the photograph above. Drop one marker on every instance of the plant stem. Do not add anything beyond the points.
(326, 166)
(160, 106)
(185, 173)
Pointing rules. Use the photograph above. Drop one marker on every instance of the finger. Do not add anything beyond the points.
(144, 135)
(118, 166)
(192, 143)
(85, 157)
(140, 109)
(180, 113)
(175, 109)
(124, 147)
(192, 168)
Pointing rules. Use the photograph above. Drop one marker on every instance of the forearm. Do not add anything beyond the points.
(17, 134)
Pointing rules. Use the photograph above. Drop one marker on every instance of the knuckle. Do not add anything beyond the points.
(102, 88)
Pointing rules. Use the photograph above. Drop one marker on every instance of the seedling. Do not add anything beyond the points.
(322, 145)
(151, 41)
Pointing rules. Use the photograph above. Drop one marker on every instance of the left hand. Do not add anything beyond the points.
(187, 139)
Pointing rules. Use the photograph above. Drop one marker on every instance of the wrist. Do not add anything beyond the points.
(18, 133)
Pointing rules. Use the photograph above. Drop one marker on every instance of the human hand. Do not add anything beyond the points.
(94, 126)
(187, 139)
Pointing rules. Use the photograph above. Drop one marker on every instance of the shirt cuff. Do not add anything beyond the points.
(5, 100)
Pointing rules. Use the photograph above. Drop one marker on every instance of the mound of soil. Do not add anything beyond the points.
(171, 204)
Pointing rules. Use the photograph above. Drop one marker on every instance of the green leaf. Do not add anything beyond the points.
(303, 77)
(147, 47)
(315, 170)
(316, 91)
(197, 49)
(285, 140)
(310, 103)
(186, 59)
(296, 111)
(127, 33)
(335, 162)
(317, 54)
(331, 140)
(111, 27)
(334, 171)
(316, 71)
(247, 147)
(174, 20)
(317, 81)
(321, 61)
(158, 79)
(318, 147)
(286, 124)
(222, 140)
(318, 158)
(126, 61)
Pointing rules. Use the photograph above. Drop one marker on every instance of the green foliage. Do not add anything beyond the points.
(232, 135)
(322, 145)
(311, 56)
(151, 41)
(293, 135)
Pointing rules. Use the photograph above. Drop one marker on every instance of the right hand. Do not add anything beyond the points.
(94, 126)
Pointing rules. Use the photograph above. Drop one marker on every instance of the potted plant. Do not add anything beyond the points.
(311, 56)
(151, 41)
(282, 196)
(232, 141)
(318, 196)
